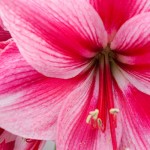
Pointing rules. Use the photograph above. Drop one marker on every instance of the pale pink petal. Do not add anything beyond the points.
(73, 132)
(114, 13)
(132, 47)
(2, 24)
(135, 114)
(56, 37)
(29, 101)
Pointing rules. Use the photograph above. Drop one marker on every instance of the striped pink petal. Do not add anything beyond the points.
(56, 37)
(115, 13)
(29, 102)
(135, 113)
(132, 44)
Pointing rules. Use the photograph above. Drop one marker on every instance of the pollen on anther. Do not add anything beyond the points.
(92, 115)
(93, 119)
(114, 111)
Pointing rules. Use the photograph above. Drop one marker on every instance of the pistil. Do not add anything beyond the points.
(101, 99)
(110, 101)
(105, 105)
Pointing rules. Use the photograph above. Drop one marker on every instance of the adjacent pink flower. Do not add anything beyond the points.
(89, 84)
(9, 141)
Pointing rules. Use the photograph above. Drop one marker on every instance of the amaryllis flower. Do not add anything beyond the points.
(9, 141)
(80, 74)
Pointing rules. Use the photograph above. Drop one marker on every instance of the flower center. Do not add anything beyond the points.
(105, 106)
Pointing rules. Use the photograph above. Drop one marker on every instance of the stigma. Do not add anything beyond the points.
(114, 111)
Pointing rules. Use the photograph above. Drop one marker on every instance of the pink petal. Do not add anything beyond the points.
(135, 114)
(132, 45)
(73, 132)
(114, 13)
(55, 37)
(29, 101)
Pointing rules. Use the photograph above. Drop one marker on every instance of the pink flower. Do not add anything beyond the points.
(89, 84)
(9, 141)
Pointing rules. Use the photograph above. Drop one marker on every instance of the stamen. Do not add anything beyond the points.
(114, 111)
(93, 119)
(94, 113)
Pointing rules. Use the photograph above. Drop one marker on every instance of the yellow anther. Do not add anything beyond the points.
(88, 119)
(114, 111)
(93, 116)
